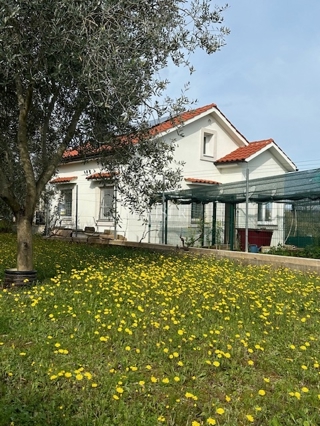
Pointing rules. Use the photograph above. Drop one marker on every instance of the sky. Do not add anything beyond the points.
(266, 79)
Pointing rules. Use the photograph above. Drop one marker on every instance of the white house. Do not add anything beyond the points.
(213, 151)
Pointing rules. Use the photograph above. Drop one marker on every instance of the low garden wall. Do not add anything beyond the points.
(296, 263)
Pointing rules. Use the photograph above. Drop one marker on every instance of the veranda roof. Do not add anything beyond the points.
(290, 186)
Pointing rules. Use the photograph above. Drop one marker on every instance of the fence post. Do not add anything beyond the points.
(202, 223)
(232, 230)
(166, 223)
(214, 223)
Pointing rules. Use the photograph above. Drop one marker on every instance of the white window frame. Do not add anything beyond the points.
(266, 213)
(63, 202)
(196, 212)
(208, 145)
(103, 217)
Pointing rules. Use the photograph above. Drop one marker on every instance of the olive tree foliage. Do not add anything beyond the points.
(83, 73)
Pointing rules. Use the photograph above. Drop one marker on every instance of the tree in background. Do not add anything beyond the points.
(82, 74)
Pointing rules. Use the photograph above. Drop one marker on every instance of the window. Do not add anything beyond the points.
(196, 211)
(264, 212)
(40, 217)
(207, 145)
(65, 204)
(106, 203)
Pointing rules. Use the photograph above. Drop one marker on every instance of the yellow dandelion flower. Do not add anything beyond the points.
(211, 421)
(220, 411)
(305, 389)
(262, 392)
(88, 375)
(250, 418)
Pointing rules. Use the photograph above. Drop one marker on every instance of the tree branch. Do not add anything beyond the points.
(45, 126)
(6, 194)
(56, 159)
(24, 103)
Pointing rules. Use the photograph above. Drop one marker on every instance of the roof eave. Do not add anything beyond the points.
(279, 155)
(232, 163)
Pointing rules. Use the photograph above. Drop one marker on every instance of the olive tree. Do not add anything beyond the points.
(84, 73)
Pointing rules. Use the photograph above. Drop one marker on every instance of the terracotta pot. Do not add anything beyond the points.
(15, 278)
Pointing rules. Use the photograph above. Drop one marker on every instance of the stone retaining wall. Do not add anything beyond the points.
(296, 263)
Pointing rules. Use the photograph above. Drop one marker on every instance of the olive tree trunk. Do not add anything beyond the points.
(24, 243)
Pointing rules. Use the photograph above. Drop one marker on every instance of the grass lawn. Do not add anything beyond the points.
(124, 337)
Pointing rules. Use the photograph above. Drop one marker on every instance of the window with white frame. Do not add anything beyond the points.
(196, 211)
(265, 212)
(106, 203)
(65, 202)
(207, 145)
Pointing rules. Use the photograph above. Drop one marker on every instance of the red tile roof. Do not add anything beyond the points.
(100, 175)
(182, 118)
(63, 179)
(241, 154)
(196, 180)
(70, 153)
